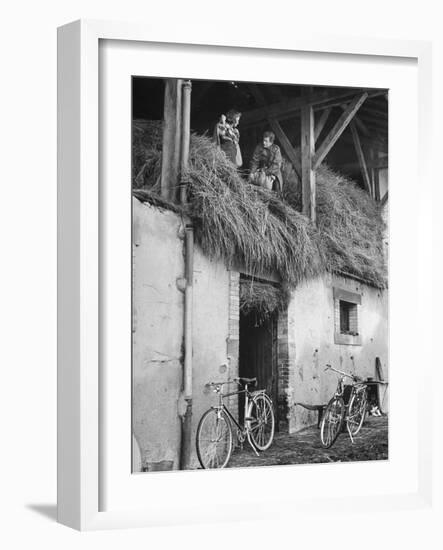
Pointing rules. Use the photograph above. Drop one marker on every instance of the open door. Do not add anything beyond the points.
(258, 354)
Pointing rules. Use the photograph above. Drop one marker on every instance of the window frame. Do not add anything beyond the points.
(343, 295)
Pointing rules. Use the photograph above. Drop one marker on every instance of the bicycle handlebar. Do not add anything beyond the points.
(351, 376)
(232, 381)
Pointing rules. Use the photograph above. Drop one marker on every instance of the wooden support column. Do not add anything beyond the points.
(361, 157)
(338, 129)
(307, 157)
(377, 184)
(371, 170)
(172, 120)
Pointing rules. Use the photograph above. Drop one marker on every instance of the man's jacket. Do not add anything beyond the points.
(269, 160)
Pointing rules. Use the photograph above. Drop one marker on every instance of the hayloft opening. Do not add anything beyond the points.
(257, 101)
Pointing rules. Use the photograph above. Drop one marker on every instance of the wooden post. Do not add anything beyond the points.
(377, 184)
(307, 156)
(185, 134)
(372, 170)
(172, 120)
(361, 157)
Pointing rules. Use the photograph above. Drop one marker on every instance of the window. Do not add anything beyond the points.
(346, 310)
(348, 318)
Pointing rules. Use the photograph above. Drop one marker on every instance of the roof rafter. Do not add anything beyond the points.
(338, 128)
(291, 107)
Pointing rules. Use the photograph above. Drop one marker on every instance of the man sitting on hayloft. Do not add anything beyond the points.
(266, 164)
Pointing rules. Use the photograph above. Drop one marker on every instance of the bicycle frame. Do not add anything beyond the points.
(243, 431)
(357, 386)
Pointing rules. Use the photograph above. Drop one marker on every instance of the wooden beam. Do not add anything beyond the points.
(321, 122)
(286, 144)
(278, 130)
(289, 108)
(171, 138)
(360, 124)
(361, 158)
(307, 157)
(338, 129)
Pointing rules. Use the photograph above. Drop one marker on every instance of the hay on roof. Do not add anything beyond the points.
(262, 298)
(243, 224)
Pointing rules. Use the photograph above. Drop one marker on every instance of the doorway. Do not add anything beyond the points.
(258, 354)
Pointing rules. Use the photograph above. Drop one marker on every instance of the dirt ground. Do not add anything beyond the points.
(304, 447)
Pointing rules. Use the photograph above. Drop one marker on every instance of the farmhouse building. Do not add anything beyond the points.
(230, 280)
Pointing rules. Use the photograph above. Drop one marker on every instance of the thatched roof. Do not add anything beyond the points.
(240, 223)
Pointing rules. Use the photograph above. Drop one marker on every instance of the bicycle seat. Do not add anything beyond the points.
(248, 380)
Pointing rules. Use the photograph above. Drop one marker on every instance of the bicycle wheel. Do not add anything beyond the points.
(214, 439)
(332, 421)
(262, 423)
(356, 412)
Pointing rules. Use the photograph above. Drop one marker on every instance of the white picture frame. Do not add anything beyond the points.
(80, 413)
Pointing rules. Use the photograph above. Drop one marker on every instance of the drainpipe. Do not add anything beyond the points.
(186, 443)
(186, 134)
(186, 440)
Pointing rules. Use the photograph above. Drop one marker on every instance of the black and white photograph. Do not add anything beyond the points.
(259, 274)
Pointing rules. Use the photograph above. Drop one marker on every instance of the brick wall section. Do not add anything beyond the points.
(232, 342)
(337, 314)
(285, 364)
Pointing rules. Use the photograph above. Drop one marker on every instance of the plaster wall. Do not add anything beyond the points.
(157, 335)
(158, 317)
(311, 328)
(210, 335)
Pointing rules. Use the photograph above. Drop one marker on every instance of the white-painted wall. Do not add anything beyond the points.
(157, 333)
(158, 317)
(158, 336)
(312, 327)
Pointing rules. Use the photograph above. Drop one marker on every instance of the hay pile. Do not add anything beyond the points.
(243, 224)
(262, 298)
(147, 138)
(349, 224)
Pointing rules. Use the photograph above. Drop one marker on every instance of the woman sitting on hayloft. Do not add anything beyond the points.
(227, 136)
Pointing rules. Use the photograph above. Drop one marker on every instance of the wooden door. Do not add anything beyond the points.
(258, 352)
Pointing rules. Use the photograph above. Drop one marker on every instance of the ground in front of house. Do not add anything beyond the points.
(304, 447)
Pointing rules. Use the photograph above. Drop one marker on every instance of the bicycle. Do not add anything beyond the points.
(354, 412)
(214, 439)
